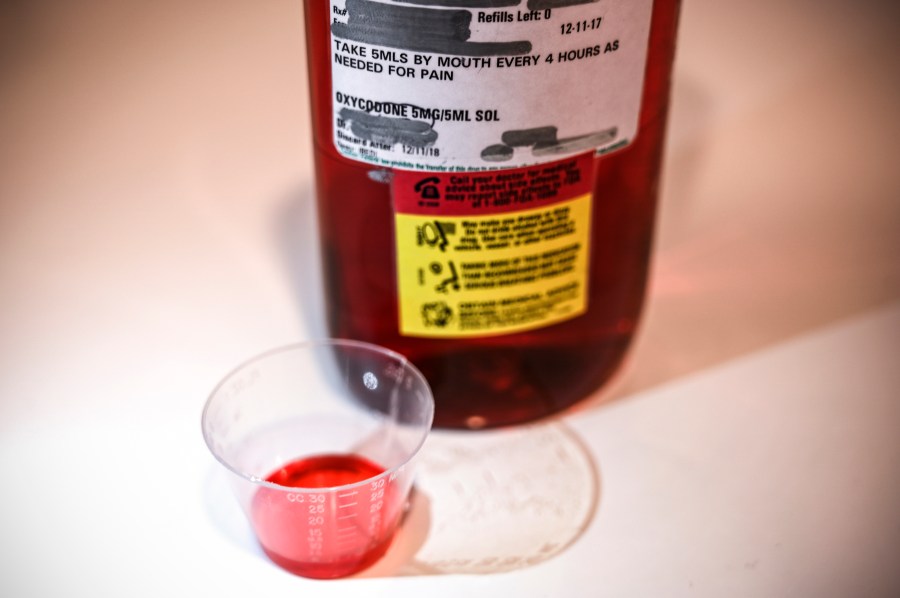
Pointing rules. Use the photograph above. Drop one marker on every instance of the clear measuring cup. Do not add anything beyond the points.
(319, 439)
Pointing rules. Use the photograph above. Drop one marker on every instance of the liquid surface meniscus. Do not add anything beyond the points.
(325, 471)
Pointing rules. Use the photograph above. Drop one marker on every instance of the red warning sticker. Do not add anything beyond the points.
(491, 192)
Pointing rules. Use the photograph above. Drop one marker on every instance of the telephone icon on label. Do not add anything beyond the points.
(427, 188)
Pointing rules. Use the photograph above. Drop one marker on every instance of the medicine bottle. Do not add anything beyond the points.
(487, 175)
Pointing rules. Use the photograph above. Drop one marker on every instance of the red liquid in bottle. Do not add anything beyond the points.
(326, 534)
(509, 378)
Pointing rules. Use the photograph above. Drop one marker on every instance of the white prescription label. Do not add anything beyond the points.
(468, 85)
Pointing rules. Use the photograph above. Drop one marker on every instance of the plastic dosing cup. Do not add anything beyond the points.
(319, 439)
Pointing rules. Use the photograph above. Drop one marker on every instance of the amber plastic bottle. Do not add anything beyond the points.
(509, 378)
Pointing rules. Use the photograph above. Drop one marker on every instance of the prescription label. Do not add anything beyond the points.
(474, 85)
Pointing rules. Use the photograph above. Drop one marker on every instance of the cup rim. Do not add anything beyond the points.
(308, 344)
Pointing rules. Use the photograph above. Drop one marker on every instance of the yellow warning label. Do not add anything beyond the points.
(481, 275)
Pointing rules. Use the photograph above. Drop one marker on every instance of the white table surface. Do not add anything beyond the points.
(156, 229)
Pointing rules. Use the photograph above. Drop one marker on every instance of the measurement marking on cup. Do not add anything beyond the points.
(350, 516)
(349, 504)
(351, 540)
(346, 494)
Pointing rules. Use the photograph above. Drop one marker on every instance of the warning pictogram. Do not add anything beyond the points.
(484, 266)
(437, 314)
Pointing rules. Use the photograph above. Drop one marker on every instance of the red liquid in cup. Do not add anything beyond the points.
(331, 533)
